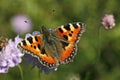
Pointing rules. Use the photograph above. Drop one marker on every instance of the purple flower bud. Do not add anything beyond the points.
(108, 21)
(21, 23)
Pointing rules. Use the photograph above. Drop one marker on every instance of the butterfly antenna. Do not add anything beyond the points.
(43, 29)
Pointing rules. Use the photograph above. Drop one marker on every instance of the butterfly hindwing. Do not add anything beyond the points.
(71, 34)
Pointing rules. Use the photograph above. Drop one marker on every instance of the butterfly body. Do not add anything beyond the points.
(54, 47)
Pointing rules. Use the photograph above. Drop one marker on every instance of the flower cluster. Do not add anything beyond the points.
(10, 55)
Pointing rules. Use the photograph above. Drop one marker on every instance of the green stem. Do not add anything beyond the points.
(21, 72)
(99, 41)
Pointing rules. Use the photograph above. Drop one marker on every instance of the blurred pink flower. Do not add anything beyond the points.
(21, 23)
(108, 21)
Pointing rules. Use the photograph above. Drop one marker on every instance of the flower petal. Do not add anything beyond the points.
(4, 69)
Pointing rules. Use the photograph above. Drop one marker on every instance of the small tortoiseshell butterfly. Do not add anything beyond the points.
(54, 47)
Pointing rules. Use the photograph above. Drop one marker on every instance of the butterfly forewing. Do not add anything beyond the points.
(33, 46)
(70, 32)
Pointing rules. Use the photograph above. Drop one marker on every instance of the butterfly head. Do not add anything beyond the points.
(46, 33)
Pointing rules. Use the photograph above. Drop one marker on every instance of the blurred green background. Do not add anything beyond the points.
(98, 55)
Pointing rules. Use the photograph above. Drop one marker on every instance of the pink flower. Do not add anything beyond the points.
(108, 21)
(21, 23)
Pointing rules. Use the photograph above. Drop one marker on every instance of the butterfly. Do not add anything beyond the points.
(53, 47)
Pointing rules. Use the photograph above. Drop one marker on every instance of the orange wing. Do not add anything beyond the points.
(71, 34)
(32, 45)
